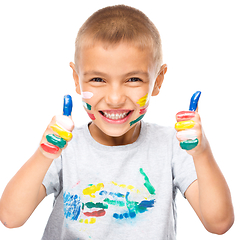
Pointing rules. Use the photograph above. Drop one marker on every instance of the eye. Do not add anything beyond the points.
(134, 80)
(96, 80)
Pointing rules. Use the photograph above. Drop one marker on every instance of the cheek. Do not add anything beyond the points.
(143, 100)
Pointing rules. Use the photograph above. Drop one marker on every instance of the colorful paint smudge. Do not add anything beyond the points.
(72, 206)
(91, 116)
(125, 207)
(87, 106)
(142, 101)
(136, 120)
(87, 95)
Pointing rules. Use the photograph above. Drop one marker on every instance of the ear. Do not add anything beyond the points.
(159, 80)
(76, 78)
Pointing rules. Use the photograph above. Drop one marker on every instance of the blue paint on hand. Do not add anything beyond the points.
(194, 101)
(67, 105)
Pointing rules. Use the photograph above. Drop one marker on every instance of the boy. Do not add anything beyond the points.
(118, 177)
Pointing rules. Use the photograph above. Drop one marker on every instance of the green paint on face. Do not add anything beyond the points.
(87, 106)
(57, 141)
(189, 144)
(147, 183)
(138, 119)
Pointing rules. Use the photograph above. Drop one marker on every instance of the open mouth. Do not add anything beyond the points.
(116, 116)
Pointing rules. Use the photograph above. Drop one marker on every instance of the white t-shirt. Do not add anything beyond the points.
(118, 192)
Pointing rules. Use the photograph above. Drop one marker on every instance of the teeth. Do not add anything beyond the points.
(115, 116)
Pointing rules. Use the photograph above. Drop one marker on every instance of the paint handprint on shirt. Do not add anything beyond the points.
(97, 201)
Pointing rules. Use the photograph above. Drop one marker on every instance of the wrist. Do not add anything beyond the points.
(44, 156)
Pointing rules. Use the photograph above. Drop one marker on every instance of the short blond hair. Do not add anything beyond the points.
(115, 24)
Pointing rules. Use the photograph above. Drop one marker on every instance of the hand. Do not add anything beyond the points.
(58, 132)
(189, 128)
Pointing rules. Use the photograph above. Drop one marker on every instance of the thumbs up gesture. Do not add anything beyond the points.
(58, 132)
(189, 128)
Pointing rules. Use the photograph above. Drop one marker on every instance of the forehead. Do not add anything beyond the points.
(114, 59)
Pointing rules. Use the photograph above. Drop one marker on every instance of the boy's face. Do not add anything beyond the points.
(116, 84)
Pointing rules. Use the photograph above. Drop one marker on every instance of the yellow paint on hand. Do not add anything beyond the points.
(92, 189)
(66, 135)
(142, 101)
(184, 125)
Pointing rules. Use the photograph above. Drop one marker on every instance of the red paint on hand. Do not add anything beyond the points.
(185, 115)
(47, 147)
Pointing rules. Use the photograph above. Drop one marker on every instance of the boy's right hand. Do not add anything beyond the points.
(58, 132)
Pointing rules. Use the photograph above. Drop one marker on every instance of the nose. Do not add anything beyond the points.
(115, 97)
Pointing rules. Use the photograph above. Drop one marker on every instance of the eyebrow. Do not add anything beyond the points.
(126, 75)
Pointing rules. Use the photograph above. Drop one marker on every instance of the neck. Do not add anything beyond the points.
(129, 137)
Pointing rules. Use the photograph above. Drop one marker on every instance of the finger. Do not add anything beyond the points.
(184, 135)
(185, 115)
(189, 144)
(179, 126)
(63, 133)
(65, 122)
(57, 141)
(194, 101)
(67, 105)
(47, 147)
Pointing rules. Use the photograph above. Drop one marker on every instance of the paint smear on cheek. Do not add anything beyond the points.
(91, 116)
(136, 120)
(143, 110)
(87, 106)
(87, 95)
(142, 101)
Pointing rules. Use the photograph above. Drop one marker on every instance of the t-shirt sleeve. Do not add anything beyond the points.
(184, 173)
(53, 178)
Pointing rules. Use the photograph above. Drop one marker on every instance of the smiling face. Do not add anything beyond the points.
(116, 84)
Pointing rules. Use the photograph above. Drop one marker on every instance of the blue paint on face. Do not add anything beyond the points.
(72, 206)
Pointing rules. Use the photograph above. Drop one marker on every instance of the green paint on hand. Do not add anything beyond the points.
(138, 119)
(57, 141)
(147, 183)
(189, 144)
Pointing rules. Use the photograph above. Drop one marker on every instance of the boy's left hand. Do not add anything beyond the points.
(189, 129)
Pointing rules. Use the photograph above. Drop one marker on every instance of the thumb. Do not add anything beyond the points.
(194, 101)
(67, 105)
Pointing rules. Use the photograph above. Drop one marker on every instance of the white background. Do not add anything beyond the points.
(200, 45)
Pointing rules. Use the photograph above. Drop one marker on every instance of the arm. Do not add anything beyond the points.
(209, 195)
(25, 190)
